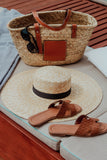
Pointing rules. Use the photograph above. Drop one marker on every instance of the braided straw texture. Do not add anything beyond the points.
(18, 96)
(52, 80)
(75, 46)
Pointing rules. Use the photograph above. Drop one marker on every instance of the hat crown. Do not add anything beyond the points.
(52, 79)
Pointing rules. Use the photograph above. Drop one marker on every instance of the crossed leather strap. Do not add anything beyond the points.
(88, 126)
(63, 106)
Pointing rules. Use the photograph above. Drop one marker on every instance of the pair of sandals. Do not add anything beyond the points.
(84, 125)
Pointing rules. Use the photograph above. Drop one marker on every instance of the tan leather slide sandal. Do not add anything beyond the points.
(58, 109)
(84, 127)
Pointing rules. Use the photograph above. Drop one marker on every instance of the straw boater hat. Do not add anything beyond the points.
(31, 92)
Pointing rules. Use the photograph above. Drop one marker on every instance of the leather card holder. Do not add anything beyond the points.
(54, 50)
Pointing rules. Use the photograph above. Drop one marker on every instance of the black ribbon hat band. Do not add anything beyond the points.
(51, 96)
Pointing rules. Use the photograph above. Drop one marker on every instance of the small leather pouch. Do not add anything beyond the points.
(54, 50)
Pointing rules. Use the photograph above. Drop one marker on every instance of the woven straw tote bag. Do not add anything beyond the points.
(55, 26)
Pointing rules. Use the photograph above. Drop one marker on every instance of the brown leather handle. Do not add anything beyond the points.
(36, 16)
(38, 37)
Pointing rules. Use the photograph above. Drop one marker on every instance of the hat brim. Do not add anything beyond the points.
(18, 96)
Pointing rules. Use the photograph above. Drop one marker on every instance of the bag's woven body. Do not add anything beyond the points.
(75, 46)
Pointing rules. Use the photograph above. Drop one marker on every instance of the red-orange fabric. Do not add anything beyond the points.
(54, 50)
(38, 37)
(36, 16)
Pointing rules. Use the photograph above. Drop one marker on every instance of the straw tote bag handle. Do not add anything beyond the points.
(36, 16)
